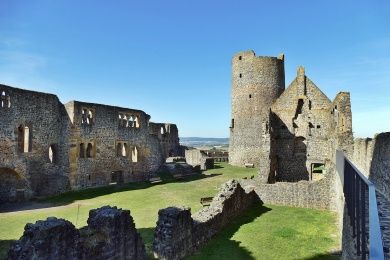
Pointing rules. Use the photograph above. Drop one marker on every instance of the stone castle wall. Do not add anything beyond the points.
(256, 83)
(168, 136)
(47, 148)
(306, 130)
(178, 234)
(110, 234)
(285, 133)
(372, 157)
(121, 149)
(30, 125)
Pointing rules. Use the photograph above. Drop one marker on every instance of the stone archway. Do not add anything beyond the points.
(12, 186)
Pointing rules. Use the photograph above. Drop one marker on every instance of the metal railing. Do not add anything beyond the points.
(361, 204)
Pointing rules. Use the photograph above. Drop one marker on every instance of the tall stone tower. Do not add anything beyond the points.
(256, 83)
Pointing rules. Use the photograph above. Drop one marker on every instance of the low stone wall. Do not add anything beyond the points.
(197, 157)
(179, 234)
(110, 234)
(319, 194)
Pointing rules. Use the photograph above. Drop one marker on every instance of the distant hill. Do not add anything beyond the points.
(204, 142)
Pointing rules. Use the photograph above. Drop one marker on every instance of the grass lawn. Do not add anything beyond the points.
(264, 232)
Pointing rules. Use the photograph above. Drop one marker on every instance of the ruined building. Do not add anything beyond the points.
(47, 147)
(287, 133)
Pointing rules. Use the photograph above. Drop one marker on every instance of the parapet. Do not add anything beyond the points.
(251, 54)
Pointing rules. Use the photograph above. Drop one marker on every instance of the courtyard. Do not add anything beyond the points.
(263, 232)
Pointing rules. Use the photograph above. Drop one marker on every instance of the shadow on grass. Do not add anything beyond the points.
(4, 246)
(222, 247)
(90, 193)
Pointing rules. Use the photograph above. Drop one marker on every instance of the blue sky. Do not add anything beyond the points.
(172, 58)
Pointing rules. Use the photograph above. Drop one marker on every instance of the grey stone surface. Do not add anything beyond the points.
(177, 168)
(256, 83)
(199, 157)
(178, 234)
(319, 194)
(110, 234)
(372, 157)
(50, 239)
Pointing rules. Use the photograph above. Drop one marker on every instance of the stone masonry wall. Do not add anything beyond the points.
(110, 234)
(256, 83)
(301, 125)
(319, 194)
(372, 157)
(168, 136)
(121, 147)
(197, 157)
(30, 125)
(47, 148)
(178, 234)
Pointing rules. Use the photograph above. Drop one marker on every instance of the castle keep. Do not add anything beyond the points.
(286, 133)
(47, 147)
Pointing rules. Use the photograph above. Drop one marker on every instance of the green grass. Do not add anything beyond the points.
(268, 230)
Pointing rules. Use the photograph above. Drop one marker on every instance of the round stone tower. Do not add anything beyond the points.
(256, 83)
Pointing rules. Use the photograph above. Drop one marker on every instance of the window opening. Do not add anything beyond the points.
(134, 154)
(89, 151)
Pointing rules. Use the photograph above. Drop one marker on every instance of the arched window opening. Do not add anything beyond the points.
(134, 155)
(125, 121)
(124, 150)
(131, 121)
(20, 139)
(82, 151)
(89, 150)
(5, 100)
(84, 116)
(120, 119)
(26, 140)
(89, 117)
(52, 154)
(136, 121)
(162, 130)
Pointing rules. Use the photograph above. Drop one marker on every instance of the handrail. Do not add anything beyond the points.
(355, 186)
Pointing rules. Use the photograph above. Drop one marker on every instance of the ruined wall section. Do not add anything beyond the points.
(342, 124)
(178, 234)
(256, 83)
(110, 234)
(168, 136)
(319, 194)
(301, 127)
(363, 149)
(196, 157)
(372, 157)
(110, 144)
(31, 125)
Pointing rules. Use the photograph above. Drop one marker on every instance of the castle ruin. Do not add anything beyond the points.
(287, 133)
(47, 147)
